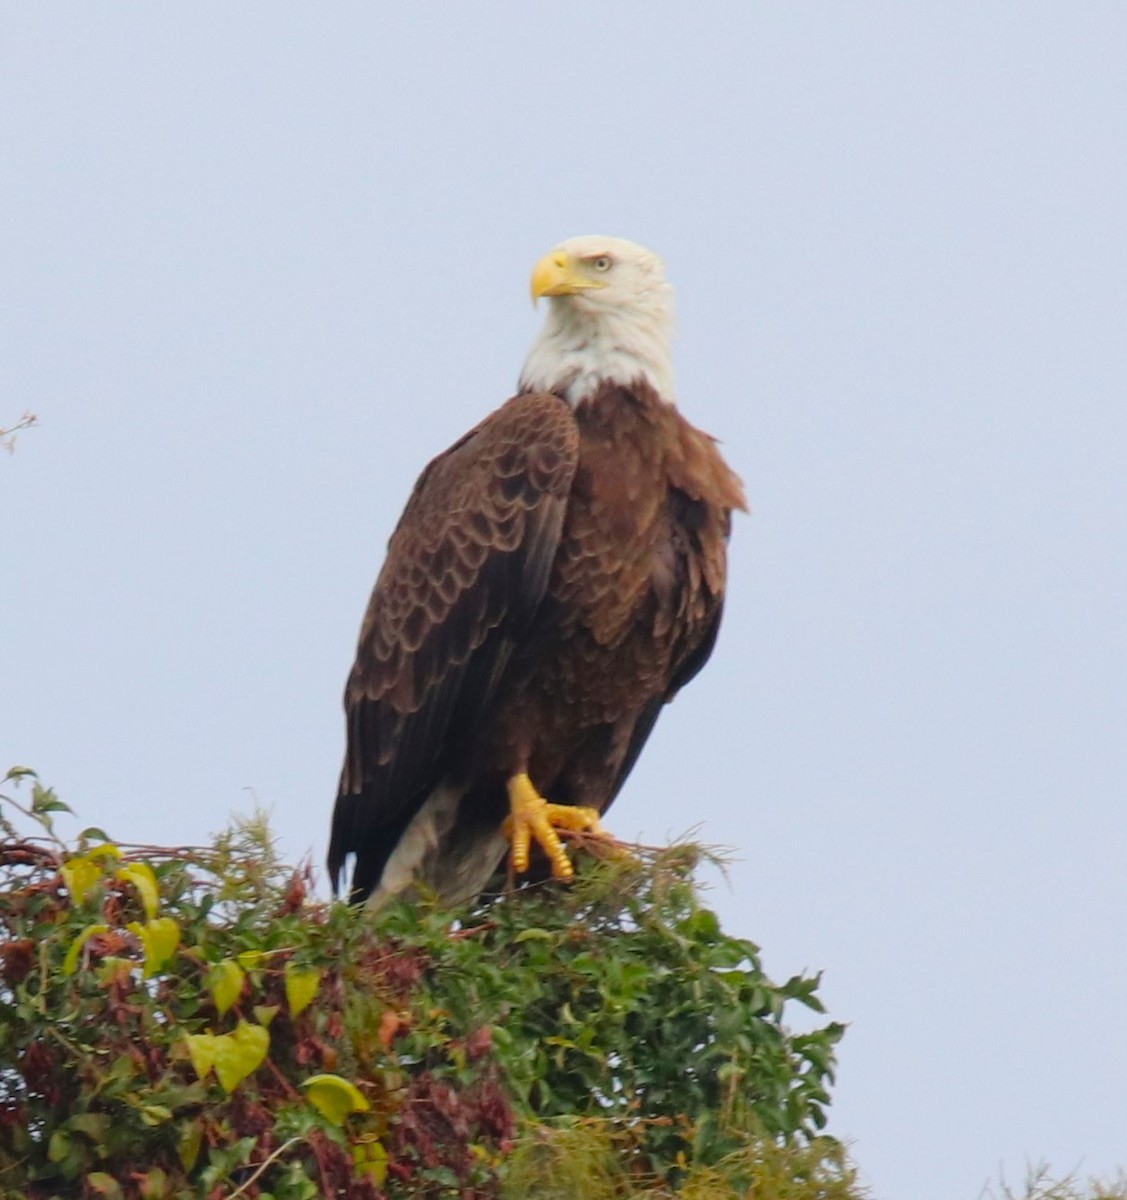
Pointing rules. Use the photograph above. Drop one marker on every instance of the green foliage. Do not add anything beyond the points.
(620, 998)
(188, 1023)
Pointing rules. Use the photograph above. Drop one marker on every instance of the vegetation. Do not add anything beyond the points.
(1040, 1184)
(190, 1023)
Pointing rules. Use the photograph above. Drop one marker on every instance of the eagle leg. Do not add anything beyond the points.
(533, 817)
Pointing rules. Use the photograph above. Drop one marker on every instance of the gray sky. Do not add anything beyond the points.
(261, 261)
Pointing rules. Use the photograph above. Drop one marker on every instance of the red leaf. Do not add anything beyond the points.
(391, 1025)
(479, 1043)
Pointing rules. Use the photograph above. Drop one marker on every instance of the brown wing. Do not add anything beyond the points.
(702, 493)
(704, 608)
(466, 568)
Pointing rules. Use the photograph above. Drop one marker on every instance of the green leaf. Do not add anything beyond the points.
(44, 800)
(533, 935)
(334, 1098)
(704, 926)
(240, 1054)
(141, 876)
(301, 986)
(95, 1126)
(225, 982)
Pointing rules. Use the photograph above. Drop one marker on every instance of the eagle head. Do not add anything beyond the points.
(610, 320)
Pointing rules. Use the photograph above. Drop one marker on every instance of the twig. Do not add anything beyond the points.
(32, 815)
(168, 851)
(25, 853)
(286, 1085)
(473, 931)
(8, 436)
(266, 1163)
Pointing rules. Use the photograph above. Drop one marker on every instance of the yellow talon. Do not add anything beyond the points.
(533, 817)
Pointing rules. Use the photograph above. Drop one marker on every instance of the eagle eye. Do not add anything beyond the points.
(602, 263)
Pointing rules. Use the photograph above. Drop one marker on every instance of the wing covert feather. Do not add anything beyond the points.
(466, 569)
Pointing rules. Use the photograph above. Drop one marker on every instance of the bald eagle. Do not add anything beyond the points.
(556, 577)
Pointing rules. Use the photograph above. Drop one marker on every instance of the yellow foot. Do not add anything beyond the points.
(533, 817)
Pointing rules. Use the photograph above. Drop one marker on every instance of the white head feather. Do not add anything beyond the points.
(610, 320)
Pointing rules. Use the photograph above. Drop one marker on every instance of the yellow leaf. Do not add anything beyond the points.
(188, 1150)
(153, 1184)
(202, 1050)
(105, 850)
(265, 1013)
(104, 1185)
(164, 939)
(240, 1054)
(113, 970)
(301, 986)
(334, 1098)
(249, 959)
(160, 939)
(70, 963)
(80, 875)
(141, 876)
(225, 981)
(370, 1158)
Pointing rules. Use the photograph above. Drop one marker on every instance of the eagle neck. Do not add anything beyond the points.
(579, 351)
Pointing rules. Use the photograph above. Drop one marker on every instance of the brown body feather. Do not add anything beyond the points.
(556, 576)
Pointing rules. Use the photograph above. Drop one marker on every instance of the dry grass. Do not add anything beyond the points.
(581, 1159)
(1041, 1184)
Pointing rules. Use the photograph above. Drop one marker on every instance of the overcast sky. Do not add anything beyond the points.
(261, 261)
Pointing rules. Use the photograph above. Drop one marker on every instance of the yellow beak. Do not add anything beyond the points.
(557, 274)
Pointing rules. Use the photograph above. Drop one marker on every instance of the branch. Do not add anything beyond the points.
(8, 436)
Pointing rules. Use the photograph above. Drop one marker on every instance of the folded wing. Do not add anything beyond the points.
(466, 569)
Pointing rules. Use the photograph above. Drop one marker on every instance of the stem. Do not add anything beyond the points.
(266, 1163)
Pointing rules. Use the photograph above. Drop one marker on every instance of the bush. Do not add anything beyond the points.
(189, 1023)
